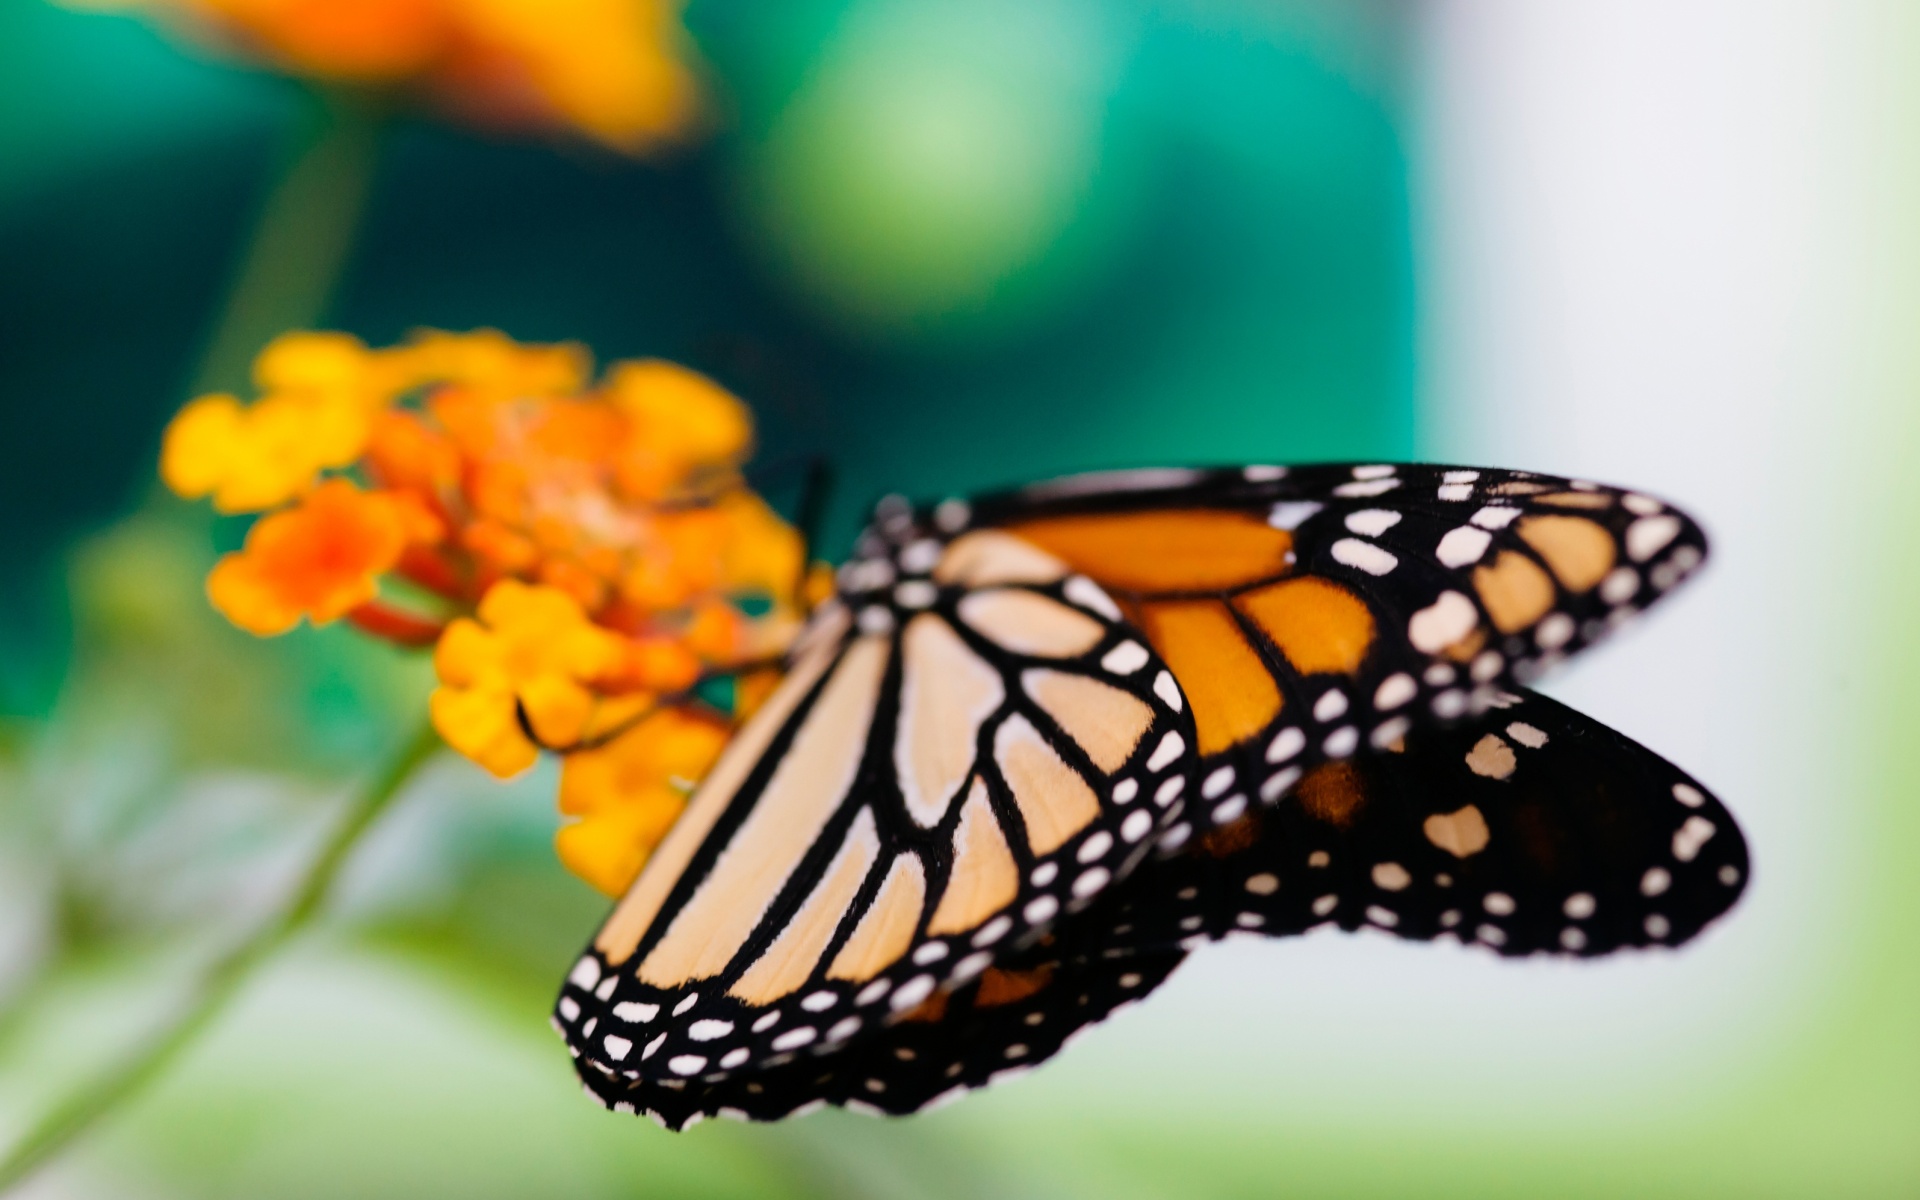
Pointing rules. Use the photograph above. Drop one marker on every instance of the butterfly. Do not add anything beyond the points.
(1042, 743)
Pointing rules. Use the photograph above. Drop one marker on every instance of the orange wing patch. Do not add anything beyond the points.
(1232, 693)
(1183, 550)
(1579, 551)
(1318, 625)
(1515, 590)
(1332, 793)
(1005, 986)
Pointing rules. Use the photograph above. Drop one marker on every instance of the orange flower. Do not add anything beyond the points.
(319, 560)
(533, 651)
(322, 391)
(615, 70)
(676, 420)
(581, 555)
(628, 793)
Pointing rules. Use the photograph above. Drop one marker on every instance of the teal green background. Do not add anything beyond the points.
(949, 247)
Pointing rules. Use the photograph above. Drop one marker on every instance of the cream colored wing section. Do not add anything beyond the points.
(806, 789)
(622, 933)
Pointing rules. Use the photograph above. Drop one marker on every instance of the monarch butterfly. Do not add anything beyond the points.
(1040, 745)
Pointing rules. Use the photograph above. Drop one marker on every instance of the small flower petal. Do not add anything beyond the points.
(608, 848)
(481, 723)
(320, 560)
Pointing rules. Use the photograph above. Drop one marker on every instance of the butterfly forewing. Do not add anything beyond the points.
(969, 744)
(1529, 829)
(1311, 613)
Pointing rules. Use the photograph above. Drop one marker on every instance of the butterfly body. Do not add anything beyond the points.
(1042, 742)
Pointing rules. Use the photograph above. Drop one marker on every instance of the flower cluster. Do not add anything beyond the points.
(582, 554)
(615, 70)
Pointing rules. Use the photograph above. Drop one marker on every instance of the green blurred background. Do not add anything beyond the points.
(957, 245)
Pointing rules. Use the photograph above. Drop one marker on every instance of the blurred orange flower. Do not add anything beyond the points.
(627, 794)
(321, 559)
(617, 71)
(581, 555)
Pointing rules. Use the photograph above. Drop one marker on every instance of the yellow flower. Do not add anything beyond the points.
(628, 793)
(608, 848)
(324, 366)
(493, 364)
(319, 560)
(250, 459)
(678, 421)
(532, 650)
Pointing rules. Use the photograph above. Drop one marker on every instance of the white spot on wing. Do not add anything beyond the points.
(1169, 693)
(1372, 522)
(1391, 877)
(1389, 732)
(952, 515)
(1125, 659)
(1527, 735)
(915, 593)
(1620, 585)
(1290, 514)
(1688, 839)
(919, 557)
(1363, 556)
(1442, 623)
(1171, 746)
(1394, 691)
(1277, 784)
(1088, 594)
(1648, 536)
(1462, 546)
(1555, 631)
(1287, 743)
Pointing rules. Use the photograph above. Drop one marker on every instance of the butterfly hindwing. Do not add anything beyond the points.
(969, 744)
(1529, 829)
(1007, 1020)
(1310, 613)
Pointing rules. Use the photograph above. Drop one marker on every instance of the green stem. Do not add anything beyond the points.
(300, 240)
(68, 1120)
